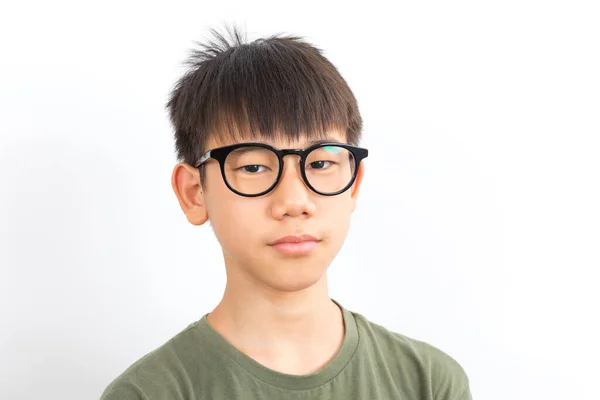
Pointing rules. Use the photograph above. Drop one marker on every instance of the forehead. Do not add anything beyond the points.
(278, 140)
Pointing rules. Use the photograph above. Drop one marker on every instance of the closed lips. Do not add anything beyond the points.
(295, 239)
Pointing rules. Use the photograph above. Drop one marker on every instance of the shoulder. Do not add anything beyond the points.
(159, 373)
(441, 374)
(448, 378)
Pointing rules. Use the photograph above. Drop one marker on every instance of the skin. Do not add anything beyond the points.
(273, 304)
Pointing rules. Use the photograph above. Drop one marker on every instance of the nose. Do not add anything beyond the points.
(291, 197)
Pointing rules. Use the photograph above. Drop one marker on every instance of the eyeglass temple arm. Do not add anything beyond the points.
(202, 159)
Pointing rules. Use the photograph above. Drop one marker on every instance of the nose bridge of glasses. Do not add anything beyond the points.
(291, 152)
(296, 167)
(287, 152)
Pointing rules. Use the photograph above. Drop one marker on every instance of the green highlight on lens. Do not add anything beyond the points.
(332, 149)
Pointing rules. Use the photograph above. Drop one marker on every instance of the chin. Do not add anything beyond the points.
(290, 287)
(292, 278)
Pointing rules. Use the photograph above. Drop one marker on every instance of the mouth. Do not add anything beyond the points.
(292, 245)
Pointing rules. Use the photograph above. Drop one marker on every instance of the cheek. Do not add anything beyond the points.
(335, 216)
(236, 224)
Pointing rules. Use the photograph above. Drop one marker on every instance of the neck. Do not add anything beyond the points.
(305, 325)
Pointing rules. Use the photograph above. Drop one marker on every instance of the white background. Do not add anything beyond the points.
(478, 229)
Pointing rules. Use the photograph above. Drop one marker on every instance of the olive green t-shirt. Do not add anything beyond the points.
(372, 363)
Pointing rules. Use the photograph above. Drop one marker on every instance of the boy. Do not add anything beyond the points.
(267, 136)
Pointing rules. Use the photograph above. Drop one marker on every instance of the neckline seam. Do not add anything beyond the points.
(259, 378)
(229, 356)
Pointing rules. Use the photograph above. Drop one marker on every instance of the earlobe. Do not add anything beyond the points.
(185, 181)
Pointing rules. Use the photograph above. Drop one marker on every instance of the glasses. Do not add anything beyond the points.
(254, 169)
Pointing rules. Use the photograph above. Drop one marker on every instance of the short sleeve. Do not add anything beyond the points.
(466, 393)
(119, 390)
(449, 380)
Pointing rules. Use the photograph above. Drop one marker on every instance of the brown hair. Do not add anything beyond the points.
(279, 86)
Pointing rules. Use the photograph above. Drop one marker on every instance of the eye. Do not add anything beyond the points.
(253, 169)
(319, 164)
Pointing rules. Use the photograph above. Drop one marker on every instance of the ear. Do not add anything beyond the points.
(356, 185)
(185, 181)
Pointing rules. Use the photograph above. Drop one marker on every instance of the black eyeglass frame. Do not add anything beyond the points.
(220, 154)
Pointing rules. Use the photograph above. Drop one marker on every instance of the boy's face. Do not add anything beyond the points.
(247, 227)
